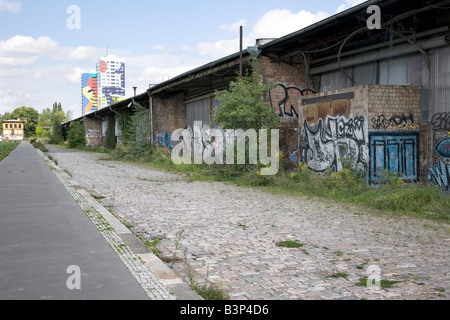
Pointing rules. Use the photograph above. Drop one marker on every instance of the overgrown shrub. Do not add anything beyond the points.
(75, 138)
(40, 146)
(110, 141)
(137, 138)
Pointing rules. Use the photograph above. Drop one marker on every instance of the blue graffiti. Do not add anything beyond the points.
(165, 141)
(440, 174)
(443, 148)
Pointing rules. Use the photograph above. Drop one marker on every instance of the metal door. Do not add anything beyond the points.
(396, 152)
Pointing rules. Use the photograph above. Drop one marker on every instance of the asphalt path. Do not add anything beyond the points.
(49, 249)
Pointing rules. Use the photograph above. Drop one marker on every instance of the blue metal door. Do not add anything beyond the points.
(396, 152)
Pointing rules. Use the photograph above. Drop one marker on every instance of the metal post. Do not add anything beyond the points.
(240, 51)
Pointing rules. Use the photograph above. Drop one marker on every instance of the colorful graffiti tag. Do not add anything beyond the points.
(439, 174)
(165, 140)
(328, 142)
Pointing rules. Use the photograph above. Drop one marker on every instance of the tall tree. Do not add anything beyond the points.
(29, 115)
(57, 117)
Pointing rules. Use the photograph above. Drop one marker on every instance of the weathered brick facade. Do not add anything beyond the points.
(375, 126)
(93, 131)
(169, 114)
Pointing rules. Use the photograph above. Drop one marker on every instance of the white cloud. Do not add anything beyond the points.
(160, 47)
(17, 61)
(29, 45)
(11, 99)
(348, 4)
(72, 74)
(214, 50)
(273, 24)
(84, 53)
(278, 23)
(10, 6)
(234, 26)
(153, 69)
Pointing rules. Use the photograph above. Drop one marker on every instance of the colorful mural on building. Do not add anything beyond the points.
(89, 93)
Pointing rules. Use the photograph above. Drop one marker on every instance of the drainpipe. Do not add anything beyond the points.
(307, 71)
(114, 111)
(151, 114)
(95, 114)
(430, 131)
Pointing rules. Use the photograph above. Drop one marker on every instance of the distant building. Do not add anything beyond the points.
(111, 80)
(13, 130)
(89, 93)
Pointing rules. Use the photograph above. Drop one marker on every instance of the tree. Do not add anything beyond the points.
(45, 118)
(243, 106)
(138, 130)
(75, 138)
(56, 107)
(57, 117)
(29, 115)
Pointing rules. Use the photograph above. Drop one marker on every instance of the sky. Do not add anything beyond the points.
(45, 45)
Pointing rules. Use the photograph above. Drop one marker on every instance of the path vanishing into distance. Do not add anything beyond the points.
(228, 234)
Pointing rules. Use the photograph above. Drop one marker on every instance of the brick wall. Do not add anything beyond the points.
(334, 126)
(394, 107)
(169, 114)
(93, 132)
(285, 99)
(289, 80)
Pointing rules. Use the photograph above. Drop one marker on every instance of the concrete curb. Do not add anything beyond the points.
(156, 278)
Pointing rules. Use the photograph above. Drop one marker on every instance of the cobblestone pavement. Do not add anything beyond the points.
(228, 235)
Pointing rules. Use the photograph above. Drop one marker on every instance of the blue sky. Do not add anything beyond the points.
(41, 59)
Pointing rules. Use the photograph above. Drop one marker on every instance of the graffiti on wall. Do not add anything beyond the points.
(286, 98)
(164, 140)
(439, 174)
(93, 137)
(325, 144)
(396, 152)
(441, 121)
(289, 146)
(395, 122)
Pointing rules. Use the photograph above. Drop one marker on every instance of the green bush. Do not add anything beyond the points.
(40, 146)
(75, 138)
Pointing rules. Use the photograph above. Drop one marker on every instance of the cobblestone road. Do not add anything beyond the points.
(228, 236)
